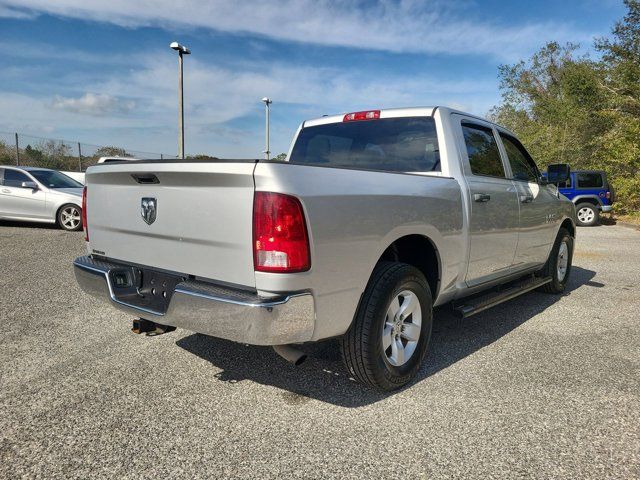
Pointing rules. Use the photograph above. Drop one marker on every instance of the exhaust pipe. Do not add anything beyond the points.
(290, 354)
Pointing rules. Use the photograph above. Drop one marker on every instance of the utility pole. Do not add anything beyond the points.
(267, 101)
(17, 151)
(182, 50)
(79, 158)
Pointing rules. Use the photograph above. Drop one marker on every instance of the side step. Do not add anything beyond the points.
(474, 305)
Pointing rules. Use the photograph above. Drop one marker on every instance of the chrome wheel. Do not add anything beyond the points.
(70, 217)
(563, 261)
(402, 327)
(586, 214)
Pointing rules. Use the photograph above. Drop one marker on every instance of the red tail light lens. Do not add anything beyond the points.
(366, 115)
(84, 214)
(280, 240)
(608, 195)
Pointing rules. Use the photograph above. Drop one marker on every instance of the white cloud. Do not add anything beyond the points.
(216, 97)
(10, 12)
(93, 104)
(389, 25)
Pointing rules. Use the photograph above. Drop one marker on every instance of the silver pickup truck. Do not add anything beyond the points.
(373, 219)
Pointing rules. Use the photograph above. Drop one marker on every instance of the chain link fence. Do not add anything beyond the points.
(32, 151)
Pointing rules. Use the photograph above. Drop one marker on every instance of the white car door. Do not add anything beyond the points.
(21, 202)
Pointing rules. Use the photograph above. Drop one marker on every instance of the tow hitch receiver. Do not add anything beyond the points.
(140, 325)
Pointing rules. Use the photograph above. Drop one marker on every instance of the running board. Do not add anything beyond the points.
(479, 304)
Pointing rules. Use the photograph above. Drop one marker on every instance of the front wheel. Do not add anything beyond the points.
(390, 333)
(70, 217)
(588, 214)
(558, 265)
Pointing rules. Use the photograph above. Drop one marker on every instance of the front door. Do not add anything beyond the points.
(538, 205)
(19, 202)
(494, 208)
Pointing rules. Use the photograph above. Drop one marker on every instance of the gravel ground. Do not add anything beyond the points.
(542, 386)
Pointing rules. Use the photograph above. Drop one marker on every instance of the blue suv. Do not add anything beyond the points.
(591, 193)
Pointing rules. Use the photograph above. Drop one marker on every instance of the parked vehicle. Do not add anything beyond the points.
(372, 220)
(591, 193)
(79, 176)
(40, 195)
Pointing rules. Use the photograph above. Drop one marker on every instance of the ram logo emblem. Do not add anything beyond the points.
(149, 208)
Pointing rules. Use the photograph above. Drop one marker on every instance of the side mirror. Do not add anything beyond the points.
(31, 185)
(558, 173)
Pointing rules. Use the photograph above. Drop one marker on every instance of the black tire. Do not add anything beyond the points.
(362, 345)
(592, 212)
(65, 225)
(550, 269)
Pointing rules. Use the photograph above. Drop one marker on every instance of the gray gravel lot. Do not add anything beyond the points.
(543, 386)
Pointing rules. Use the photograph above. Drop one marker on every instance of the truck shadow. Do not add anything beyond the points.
(323, 376)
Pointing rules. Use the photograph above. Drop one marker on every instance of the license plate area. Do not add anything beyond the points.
(143, 288)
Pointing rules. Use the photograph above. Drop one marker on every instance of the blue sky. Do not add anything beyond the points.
(101, 71)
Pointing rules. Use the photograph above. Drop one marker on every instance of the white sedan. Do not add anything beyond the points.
(40, 195)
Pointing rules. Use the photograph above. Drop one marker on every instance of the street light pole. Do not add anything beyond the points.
(267, 101)
(182, 50)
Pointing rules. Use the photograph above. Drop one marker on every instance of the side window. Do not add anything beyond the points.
(589, 180)
(482, 148)
(522, 165)
(14, 178)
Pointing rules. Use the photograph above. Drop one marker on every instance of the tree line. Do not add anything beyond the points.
(571, 108)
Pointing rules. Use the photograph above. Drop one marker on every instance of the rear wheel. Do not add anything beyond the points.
(390, 333)
(70, 217)
(588, 214)
(558, 265)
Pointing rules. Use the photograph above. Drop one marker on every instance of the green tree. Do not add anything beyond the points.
(7, 154)
(620, 145)
(581, 111)
(110, 152)
(201, 156)
(281, 157)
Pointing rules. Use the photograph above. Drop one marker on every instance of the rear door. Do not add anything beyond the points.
(20, 202)
(538, 204)
(493, 222)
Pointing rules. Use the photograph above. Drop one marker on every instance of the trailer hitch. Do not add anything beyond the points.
(152, 329)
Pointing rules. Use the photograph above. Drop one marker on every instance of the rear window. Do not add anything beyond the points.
(482, 148)
(590, 180)
(390, 144)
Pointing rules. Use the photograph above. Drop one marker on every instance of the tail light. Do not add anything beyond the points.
(608, 195)
(366, 115)
(84, 214)
(280, 240)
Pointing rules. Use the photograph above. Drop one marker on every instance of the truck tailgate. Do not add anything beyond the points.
(203, 223)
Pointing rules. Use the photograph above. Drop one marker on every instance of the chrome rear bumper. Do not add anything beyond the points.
(212, 309)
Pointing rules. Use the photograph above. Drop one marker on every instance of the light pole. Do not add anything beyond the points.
(267, 101)
(182, 50)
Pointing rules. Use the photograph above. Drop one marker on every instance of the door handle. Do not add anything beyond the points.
(481, 197)
(526, 198)
(6, 190)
